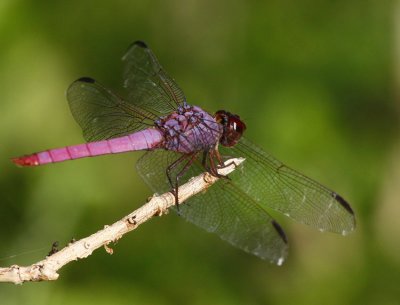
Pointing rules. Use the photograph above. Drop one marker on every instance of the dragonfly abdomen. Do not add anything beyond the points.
(142, 140)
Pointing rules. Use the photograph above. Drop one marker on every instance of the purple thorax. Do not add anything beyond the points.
(189, 129)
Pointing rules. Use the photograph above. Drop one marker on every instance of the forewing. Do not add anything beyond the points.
(103, 115)
(223, 209)
(274, 185)
(149, 86)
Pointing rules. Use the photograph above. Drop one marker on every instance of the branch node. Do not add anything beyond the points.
(132, 221)
(54, 249)
(108, 249)
(208, 178)
(161, 210)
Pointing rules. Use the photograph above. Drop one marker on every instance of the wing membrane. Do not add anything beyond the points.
(103, 115)
(151, 94)
(274, 185)
(149, 86)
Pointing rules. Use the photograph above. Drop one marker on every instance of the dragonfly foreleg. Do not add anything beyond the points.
(214, 155)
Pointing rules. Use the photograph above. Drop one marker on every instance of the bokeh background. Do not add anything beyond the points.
(317, 84)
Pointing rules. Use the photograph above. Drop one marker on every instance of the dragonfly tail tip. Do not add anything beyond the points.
(31, 160)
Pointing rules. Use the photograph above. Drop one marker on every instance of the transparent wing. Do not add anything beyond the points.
(149, 86)
(274, 185)
(103, 115)
(223, 209)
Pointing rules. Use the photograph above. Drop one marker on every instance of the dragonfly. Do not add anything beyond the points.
(182, 140)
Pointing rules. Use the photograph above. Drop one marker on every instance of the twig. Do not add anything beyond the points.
(46, 269)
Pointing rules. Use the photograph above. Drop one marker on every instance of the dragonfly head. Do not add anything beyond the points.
(232, 127)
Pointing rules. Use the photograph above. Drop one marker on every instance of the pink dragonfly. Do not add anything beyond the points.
(183, 140)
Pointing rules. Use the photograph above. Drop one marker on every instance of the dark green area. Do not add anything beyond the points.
(315, 82)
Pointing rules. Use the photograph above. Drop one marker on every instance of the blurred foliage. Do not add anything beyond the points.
(316, 83)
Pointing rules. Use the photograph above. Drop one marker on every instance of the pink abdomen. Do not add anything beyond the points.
(142, 140)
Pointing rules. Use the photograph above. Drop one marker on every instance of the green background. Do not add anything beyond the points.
(315, 81)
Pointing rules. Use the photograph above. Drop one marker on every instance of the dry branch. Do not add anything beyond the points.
(46, 269)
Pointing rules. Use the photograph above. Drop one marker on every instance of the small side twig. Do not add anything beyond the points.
(46, 269)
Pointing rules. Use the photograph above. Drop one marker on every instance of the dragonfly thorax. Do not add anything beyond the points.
(189, 129)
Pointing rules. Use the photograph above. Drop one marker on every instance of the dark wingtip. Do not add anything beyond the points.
(133, 45)
(343, 203)
(280, 231)
(140, 43)
(86, 79)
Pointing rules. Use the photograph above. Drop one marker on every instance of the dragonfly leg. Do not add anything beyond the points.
(207, 156)
(214, 154)
(175, 184)
(204, 160)
(168, 172)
